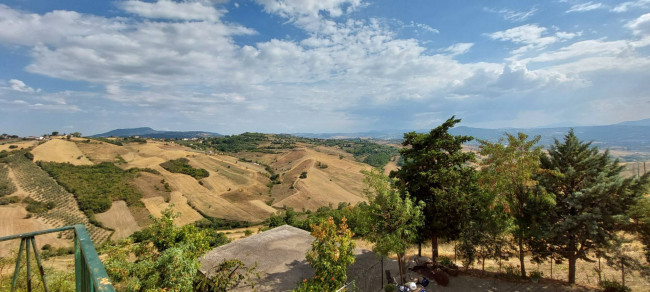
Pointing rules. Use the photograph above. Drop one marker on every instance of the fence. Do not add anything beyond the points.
(90, 274)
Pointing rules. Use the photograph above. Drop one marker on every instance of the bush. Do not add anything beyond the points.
(613, 286)
(29, 155)
(390, 288)
(34, 206)
(13, 146)
(303, 174)
(9, 200)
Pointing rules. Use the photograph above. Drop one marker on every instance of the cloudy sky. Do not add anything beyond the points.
(287, 66)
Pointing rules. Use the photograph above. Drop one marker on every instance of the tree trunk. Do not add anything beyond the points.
(521, 257)
(419, 249)
(400, 263)
(572, 269)
(434, 248)
(623, 274)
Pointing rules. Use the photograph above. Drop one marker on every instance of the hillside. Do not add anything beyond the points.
(239, 185)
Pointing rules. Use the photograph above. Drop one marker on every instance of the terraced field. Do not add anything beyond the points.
(41, 187)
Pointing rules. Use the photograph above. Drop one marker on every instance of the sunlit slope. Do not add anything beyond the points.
(236, 189)
(331, 179)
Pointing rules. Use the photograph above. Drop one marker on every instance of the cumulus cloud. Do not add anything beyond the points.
(641, 25)
(349, 72)
(20, 86)
(168, 9)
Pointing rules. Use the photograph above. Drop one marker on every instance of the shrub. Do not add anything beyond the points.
(9, 200)
(303, 174)
(13, 146)
(613, 286)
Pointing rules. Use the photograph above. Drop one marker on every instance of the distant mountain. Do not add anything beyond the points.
(631, 135)
(644, 122)
(147, 132)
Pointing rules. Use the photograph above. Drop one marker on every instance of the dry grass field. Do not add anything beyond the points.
(156, 205)
(14, 221)
(20, 144)
(119, 218)
(58, 150)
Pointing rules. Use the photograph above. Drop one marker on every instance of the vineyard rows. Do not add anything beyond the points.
(6, 186)
(41, 187)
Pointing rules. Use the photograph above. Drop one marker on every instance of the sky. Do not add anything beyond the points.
(291, 66)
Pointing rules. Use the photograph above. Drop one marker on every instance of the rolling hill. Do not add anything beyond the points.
(147, 132)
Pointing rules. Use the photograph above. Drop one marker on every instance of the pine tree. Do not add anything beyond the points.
(437, 172)
(591, 198)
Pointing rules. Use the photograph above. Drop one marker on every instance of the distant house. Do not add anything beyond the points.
(280, 257)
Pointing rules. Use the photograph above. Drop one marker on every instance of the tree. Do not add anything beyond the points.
(437, 172)
(332, 251)
(508, 172)
(486, 236)
(640, 214)
(76, 134)
(394, 219)
(55, 133)
(166, 256)
(591, 198)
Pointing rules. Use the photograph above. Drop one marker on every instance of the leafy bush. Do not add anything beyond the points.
(13, 146)
(303, 174)
(34, 206)
(9, 200)
(181, 165)
(613, 286)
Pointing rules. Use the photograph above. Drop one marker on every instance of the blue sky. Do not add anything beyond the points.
(287, 66)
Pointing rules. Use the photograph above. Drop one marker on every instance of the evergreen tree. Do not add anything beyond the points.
(591, 198)
(508, 171)
(437, 172)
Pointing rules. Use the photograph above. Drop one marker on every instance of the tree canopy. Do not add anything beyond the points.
(437, 172)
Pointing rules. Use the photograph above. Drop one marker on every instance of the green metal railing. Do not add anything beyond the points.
(90, 274)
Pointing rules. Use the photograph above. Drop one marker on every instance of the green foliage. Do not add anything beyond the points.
(227, 275)
(613, 286)
(394, 220)
(9, 200)
(94, 186)
(332, 252)
(303, 174)
(591, 198)
(34, 206)
(166, 256)
(437, 172)
(7, 187)
(29, 155)
(508, 173)
(181, 165)
(640, 213)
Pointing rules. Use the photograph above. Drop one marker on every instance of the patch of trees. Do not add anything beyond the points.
(95, 186)
(36, 207)
(167, 259)
(182, 165)
(121, 141)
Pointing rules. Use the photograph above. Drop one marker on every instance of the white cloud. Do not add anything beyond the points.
(583, 7)
(168, 9)
(514, 15)
(641, 25)
(459, 48)
(532, 36)
(625, 6)
(20, 86)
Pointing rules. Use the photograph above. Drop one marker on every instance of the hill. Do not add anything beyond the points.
(147, 132)
(630, 136)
